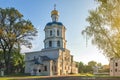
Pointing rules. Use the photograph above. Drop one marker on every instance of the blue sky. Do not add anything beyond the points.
(72, 14)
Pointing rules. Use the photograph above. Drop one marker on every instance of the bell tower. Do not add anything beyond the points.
(54, 32)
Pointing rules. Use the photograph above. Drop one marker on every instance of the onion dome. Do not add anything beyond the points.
(54, 12)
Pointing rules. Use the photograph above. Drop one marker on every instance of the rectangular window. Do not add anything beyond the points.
(58, 43)
(116, 64)
(45, 68)
(50, 32)
(57, 32)
(50, 43)
(111, 70)
(39, 70)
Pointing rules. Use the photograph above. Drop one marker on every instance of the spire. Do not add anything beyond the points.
(54, 6)
(54, 14)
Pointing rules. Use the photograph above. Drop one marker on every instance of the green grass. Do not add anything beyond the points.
(18, 77)
(4, 78)
(92, 75)
(26, 76)
(83, 74)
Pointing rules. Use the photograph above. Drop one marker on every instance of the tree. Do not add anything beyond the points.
(104, 27)
(92, 63)
(88, 69)
(81, 67)
(99, 65)
(14, 32)
(17, 61)
(106, 68)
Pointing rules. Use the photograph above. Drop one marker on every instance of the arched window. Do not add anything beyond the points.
(58, 43)
(58, 33)
(50, 32)
(50, 43)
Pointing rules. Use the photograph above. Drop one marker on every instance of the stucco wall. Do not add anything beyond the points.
(115, 67)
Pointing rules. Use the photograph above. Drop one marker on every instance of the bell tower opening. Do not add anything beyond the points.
(58, 33)
(50, 43)
(50, 32)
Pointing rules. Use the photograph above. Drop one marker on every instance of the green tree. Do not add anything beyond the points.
(90, 66)
(14, 32)
(99, 65)
(88, 69)
(92, 63)
(81, 67)
(104, 69)
(104, 27)
(17, 61)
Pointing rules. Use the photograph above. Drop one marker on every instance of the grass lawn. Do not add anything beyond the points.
(18, 77)
(23, 76)
(83, 74)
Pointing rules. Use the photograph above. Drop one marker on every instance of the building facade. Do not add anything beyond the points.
(115, 67)
(54, 59)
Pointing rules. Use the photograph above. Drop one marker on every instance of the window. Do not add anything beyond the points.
(115, 70)
(50, 43)
(39, 70)
(45, 68)
(58, 43)
(50, 32)
(57, 32)
(116, 64)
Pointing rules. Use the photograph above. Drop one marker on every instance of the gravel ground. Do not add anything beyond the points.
(71, 78)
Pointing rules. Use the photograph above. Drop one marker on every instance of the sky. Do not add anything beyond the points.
(73, 14)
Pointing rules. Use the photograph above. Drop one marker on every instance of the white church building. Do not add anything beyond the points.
(55, 58)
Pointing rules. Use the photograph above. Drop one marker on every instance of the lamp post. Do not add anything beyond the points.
(2, 67)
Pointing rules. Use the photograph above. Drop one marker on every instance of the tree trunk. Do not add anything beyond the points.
(8, 65)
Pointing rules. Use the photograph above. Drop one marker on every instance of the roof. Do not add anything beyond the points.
(51, 23)
(43, 58)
